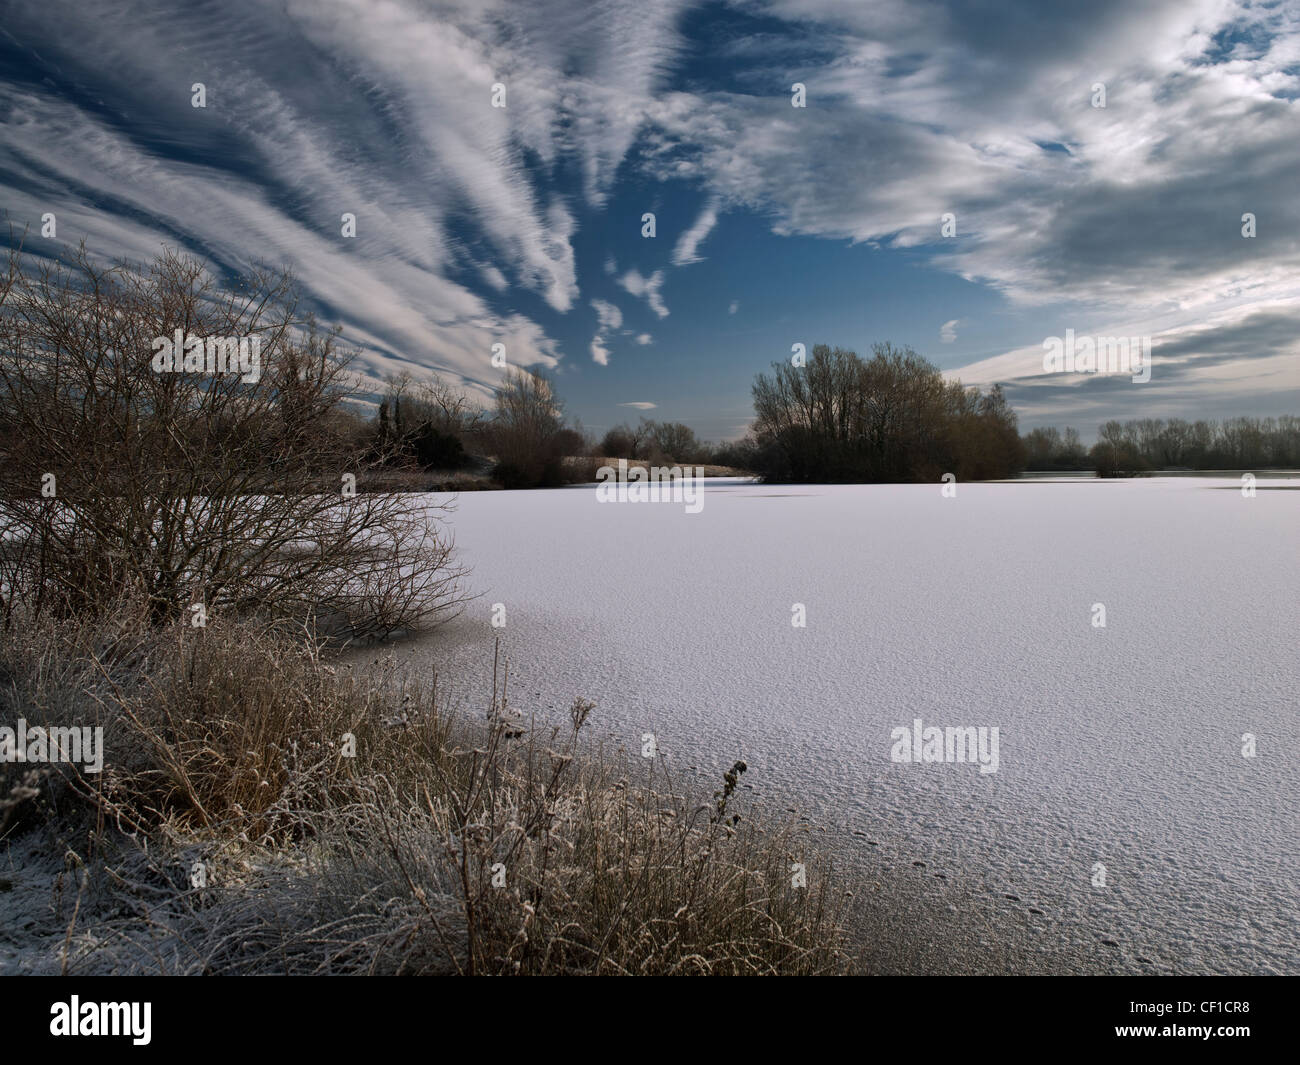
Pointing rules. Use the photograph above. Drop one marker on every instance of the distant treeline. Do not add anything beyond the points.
(524, 441)
(521, 442)
(1141, 444)
(836, 418)
(668, 442)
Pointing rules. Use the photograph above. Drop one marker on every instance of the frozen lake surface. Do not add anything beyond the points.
(1119, 745)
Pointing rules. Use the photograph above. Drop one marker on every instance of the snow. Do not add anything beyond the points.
(1119, 745)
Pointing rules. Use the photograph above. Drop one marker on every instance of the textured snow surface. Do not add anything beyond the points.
(1120, 745)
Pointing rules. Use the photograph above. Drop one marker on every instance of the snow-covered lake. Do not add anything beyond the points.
(1119, 746)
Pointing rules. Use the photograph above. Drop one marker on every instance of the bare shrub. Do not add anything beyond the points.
(225, 489)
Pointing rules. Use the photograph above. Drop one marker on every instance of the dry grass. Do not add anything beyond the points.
(422, 481)
(448, 844)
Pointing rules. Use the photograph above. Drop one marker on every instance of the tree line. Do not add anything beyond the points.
(669, 442)
(1142, 444)
(525, 439)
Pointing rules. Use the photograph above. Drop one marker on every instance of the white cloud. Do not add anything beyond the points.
(643, 339)
(389, 285)
(948, 331)
(647, 288)
(1248, 356)
(690, 240)
(1134, 206)
(640, 406)
(609, 316)
(733, 307)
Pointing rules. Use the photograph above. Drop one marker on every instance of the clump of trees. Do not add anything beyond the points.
(427, 425)
(659, 442)
(189, 490)
(893, 417)
(523, 441)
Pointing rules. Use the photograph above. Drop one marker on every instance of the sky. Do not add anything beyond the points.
(774, 224)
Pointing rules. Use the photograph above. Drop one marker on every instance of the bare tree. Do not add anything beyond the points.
(676, 441)
(526, 432)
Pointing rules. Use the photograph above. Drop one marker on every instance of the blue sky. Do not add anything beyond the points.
(775, 225)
